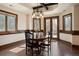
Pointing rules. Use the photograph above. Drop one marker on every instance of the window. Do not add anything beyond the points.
(2, 23)
(11, 23)
(67, 22)
(8, 22)
(36, 24)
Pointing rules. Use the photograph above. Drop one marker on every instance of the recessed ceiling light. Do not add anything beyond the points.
(10, 5)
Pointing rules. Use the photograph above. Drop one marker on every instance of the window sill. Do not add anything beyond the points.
(12, 32)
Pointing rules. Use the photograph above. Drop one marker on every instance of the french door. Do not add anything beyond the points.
(51, 24)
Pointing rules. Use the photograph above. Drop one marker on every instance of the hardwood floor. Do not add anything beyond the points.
(58, 48)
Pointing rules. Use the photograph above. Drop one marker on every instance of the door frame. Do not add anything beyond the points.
(51, 25)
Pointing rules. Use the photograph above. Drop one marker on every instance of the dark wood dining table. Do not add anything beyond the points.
(39, 40)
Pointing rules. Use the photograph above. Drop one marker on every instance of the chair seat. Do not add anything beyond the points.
(43, 44)
(33, 45)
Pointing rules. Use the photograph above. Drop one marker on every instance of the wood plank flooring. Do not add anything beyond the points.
(58, 48)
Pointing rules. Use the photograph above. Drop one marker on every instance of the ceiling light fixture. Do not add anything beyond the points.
(37, 13)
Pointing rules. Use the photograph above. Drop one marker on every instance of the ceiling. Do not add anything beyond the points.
(41, 6)
(30, 5)
(27, 7)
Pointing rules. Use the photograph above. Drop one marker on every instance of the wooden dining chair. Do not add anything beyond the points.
(47, 42)
(31, 43)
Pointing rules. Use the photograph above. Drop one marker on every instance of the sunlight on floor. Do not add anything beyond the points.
(54, 36)
(18, 49)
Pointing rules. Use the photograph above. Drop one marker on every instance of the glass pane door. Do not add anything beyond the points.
(52, 25)
(47, 26)
(54, 28)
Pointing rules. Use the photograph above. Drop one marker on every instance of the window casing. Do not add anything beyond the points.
(8, 22)
(67, 22)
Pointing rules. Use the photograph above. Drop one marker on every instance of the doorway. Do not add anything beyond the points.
(51, 24)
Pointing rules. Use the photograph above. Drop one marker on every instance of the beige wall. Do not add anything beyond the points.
(76, 17)
(42, 23)
(30, 22)
(75, 39)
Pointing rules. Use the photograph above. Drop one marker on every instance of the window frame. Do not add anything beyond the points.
(16, 22)
(70, 14)
(5, 23)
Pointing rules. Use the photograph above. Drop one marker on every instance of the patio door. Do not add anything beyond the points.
(51, 24)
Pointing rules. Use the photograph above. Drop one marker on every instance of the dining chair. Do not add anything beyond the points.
(31, 43)
(47, 42)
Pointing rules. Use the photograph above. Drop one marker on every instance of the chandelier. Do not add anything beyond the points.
(37, 13)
